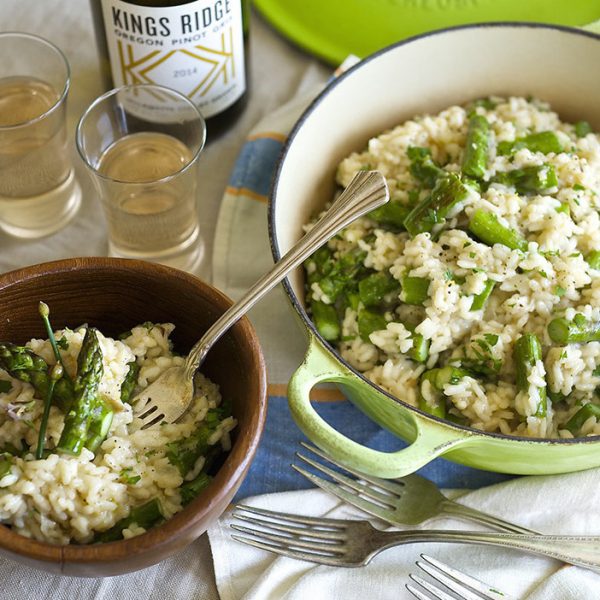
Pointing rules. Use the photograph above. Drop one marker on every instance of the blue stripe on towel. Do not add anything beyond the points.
(271, 471)
(255, 165)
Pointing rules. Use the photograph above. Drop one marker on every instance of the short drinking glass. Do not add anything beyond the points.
(142, 144)
(38, 190)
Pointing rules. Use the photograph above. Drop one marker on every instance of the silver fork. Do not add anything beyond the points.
(409, 500)
(352, 543)
(170, 395)
(464, 586)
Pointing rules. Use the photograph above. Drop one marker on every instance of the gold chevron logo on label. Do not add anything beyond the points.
(193, 71)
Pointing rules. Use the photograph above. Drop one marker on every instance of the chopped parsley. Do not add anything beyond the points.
(559, 291)
(127, 476)
(62, 343)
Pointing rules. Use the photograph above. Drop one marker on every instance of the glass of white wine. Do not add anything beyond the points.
(39, 193)
(142, 144)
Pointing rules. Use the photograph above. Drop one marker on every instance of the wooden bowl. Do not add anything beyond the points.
(114, 295)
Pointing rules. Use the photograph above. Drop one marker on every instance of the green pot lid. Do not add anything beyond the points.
(333, 29)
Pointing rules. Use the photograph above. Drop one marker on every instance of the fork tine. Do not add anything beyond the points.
(338, 524)
(346, 495)
(151, 419)
(386, 499)
(300, 531)
(322, 548)
(416, 593)
(334, 562)
(435, 591)
(454, 585)
(385, 484)
(483, 589)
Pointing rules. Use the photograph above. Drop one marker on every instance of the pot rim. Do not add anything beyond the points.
(274, 242)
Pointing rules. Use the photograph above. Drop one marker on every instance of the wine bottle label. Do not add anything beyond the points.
(195, 48)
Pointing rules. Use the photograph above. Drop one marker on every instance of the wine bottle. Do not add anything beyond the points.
(197, 47)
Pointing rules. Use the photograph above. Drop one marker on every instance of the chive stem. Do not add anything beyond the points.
(55, 374)
(44, 311)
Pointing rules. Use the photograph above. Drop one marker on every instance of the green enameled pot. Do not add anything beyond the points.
(424, 74)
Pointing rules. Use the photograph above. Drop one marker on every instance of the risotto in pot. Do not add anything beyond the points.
(74, 464)
(474, 293)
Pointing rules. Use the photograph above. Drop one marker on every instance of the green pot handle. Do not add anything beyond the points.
(320, 365)
(594, 27)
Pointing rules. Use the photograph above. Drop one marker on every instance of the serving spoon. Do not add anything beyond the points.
(168, 398)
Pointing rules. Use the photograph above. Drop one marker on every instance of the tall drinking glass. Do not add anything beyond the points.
(38, 190)
(142, 144)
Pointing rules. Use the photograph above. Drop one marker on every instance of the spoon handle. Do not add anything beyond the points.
(364, 193)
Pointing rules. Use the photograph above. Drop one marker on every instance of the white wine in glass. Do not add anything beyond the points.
(150, 217)
(142, 144)
(38, 190)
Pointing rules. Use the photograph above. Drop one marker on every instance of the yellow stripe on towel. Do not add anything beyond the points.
(272, 135)
(246, 192)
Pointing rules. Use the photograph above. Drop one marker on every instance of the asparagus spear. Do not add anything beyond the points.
(422, 166)
(89, 372)
(22, 363)
(368, 322)
(185, 452)
(438, 378)
(146, 516)
(414, 290)
(420, 350)
(476, 148)
(487, 228)
(433, 210)
(555, 397)
(527, 352)
(579, 329)
(100, 422)
(437, 405)
(374, 287)
(543, 141)
(575, 423)
(326, 320)
(130, 381)
(582, 128)
(25, 365)
(192, 489)
(593, 259)
(448, 374)
(6, 462)
(391, 215)
(485, 103)
(319, 264)
(529, 180)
